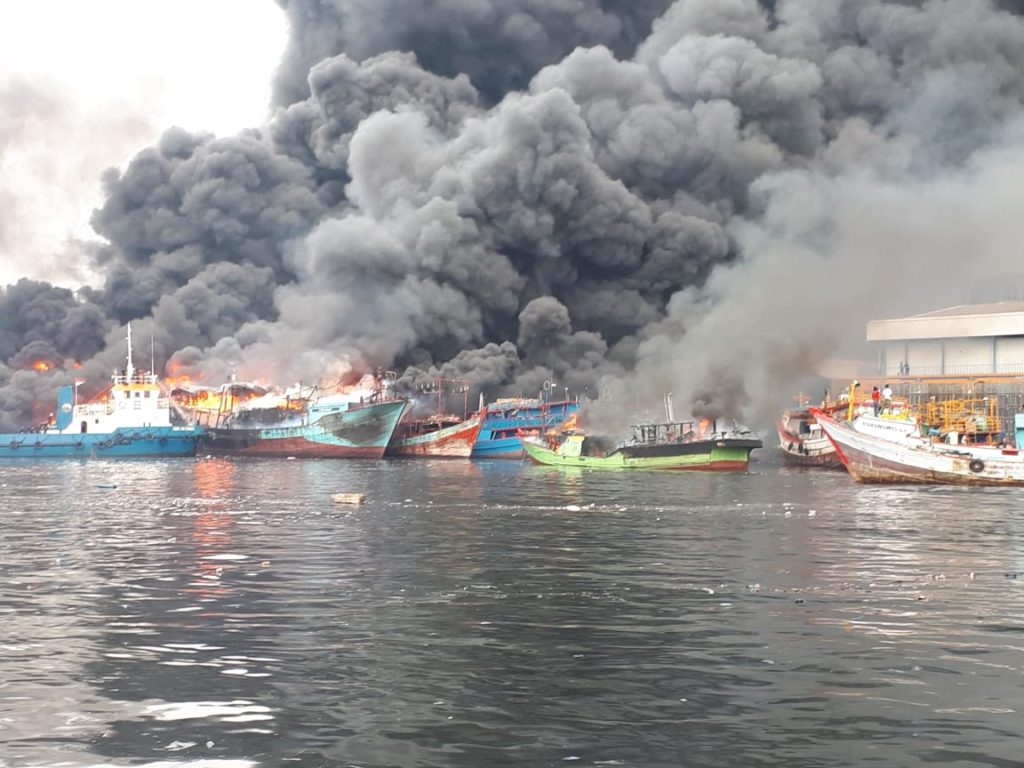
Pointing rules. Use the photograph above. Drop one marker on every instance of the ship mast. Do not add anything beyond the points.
(130, 368)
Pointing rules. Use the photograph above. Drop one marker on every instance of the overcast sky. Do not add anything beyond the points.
(85, 85)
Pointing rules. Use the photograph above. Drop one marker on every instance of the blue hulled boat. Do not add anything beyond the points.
(507, 421)
(134, 420)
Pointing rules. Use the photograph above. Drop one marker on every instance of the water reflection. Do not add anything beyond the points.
(495, 614)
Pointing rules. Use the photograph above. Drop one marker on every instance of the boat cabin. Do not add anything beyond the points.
(671, 432)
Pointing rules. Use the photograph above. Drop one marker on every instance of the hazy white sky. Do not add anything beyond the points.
(86, 84)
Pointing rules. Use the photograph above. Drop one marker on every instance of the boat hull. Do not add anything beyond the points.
(706, 455)
(807, 452)
(362, 432)
(455, 442)
(871, 459)
(505, 424)
(125, 442)
(505, 448)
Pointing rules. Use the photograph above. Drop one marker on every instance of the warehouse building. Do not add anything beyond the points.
(972, 353)
(965, 341)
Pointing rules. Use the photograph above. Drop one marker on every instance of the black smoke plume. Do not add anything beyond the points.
(707, 197)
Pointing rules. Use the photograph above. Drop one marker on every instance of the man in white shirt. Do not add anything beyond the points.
(887, 399)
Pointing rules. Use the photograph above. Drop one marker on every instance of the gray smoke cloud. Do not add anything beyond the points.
(500, 44)
(706, 197)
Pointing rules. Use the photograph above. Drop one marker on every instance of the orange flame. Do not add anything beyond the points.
(214, 401)
(570, 423)
(178, 381)
(42, 366)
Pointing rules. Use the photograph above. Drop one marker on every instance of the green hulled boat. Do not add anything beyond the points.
(653, 446)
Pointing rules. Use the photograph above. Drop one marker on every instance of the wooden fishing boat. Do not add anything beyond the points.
(802, 441)
(675, 446)
(438, 436)
(870, 458)
(507, 421)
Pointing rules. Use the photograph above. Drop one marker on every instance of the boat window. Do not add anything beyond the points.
(146, 394)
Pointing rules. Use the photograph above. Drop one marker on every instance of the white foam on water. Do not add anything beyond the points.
(202, 710)
(201, 763)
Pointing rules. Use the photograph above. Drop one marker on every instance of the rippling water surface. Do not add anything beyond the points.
(227, 613)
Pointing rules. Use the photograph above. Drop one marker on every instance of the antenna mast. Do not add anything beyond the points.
(130, 369)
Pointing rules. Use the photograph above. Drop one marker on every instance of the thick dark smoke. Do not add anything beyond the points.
(500, 44)
(707, 197)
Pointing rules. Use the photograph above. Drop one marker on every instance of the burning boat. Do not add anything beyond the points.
(301, 422)
(133, 418)
(440, 436)
(672, 445)
(507, 421)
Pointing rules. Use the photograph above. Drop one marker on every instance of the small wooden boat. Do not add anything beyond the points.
(508, 420)
(802, 441)
(674, 445)
(438, 436)
(870, 458)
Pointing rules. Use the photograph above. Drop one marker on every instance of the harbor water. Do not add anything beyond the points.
(227, 613)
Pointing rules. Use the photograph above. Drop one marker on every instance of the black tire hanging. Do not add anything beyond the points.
(976, 465)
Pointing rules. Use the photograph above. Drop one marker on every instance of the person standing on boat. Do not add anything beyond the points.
(876, 398)
(887, 398)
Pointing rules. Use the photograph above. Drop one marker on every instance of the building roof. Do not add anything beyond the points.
(965, 321)
(970, 310)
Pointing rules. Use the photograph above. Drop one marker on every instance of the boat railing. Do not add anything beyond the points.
(136, 378)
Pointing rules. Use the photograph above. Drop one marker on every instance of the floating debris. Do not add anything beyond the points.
(106, 485)
(348, 498)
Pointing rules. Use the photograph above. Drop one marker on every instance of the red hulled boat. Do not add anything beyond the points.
(439, 436)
